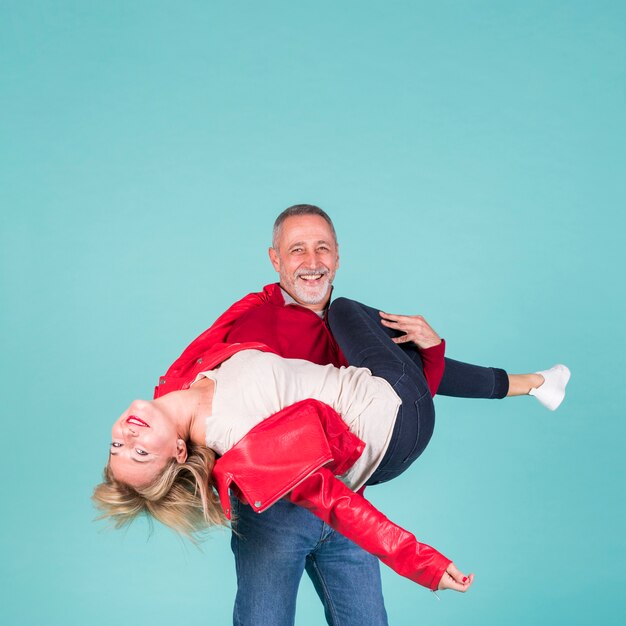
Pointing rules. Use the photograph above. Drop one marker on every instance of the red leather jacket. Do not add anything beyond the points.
(296, 453)
(183, 371)
(299, 323)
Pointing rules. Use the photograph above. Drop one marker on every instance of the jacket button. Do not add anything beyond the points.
(199, 361)
(162, 381)
(257, 504)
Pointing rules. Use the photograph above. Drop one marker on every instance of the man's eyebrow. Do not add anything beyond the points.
(303, 243)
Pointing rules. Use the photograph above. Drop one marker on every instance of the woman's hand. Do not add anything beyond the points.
(454, 579)
(417, 329)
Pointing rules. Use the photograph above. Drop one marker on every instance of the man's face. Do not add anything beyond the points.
(306, 257)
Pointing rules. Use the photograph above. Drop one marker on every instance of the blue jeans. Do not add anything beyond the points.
(365, 342)
(274, 548)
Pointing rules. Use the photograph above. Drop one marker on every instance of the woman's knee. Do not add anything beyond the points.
(347, 311)
(341, 306)
(340, 313)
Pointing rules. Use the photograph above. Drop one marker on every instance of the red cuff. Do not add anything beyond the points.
(434, 365)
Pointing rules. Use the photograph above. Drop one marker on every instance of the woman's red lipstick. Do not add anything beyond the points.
(133, 419)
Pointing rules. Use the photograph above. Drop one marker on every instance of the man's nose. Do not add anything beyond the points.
(310, 259)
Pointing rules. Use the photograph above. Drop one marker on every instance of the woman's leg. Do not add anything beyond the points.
(365, 343)
(473, 381)
(461, 380)
(521, 384)
(464, 380)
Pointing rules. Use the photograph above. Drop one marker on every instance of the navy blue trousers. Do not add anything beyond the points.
(367, 343)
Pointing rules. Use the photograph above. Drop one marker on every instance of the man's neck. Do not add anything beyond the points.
(288, 298)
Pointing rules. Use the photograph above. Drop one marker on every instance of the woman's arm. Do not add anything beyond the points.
(360, 521)
(295, 454)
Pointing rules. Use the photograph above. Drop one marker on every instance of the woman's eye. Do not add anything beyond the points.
(140, 452)
(116, 444)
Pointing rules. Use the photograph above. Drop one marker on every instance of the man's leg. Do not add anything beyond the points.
(347, 580)
(270, 551)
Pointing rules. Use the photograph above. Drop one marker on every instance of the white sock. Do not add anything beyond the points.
(552, 392)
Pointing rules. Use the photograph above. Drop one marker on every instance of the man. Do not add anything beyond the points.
(274, 548)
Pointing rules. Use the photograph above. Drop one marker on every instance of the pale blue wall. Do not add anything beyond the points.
(471, 155)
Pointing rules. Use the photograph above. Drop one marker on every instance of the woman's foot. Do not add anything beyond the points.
(552, 391)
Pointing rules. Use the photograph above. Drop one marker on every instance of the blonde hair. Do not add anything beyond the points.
(181, 496)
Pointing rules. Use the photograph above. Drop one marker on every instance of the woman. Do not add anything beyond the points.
(273, 442)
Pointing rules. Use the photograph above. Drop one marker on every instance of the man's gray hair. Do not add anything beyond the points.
(299, 209)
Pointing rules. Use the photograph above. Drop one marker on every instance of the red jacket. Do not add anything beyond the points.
(293, 331)
(296, 453)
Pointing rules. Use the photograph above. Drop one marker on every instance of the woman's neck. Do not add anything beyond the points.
(189, 408)
(202, 400)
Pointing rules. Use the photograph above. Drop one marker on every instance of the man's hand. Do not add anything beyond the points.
(417, 329)
(454, 579)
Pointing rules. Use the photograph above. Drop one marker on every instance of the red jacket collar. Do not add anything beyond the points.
(194, 358)
(210, 359)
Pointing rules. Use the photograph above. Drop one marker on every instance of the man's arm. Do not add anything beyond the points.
(429, 344)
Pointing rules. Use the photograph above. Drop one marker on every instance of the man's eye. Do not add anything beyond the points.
(140, 452)
(297, 250)
(323, 248)
(116, 444)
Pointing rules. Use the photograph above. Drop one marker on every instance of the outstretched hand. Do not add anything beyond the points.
(417, 329)
(454, 579)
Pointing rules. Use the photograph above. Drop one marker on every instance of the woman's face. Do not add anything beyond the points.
(144, 439)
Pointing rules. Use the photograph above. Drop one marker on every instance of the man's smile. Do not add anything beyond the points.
(312, 276)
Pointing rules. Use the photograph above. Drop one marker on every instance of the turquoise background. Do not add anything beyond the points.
(472, 157)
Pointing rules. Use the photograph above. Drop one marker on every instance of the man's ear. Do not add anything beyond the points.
(275, 259)
(181, 451)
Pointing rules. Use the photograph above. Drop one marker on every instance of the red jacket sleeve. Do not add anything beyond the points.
(360, 521)
(434, 364)
(299, 449)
